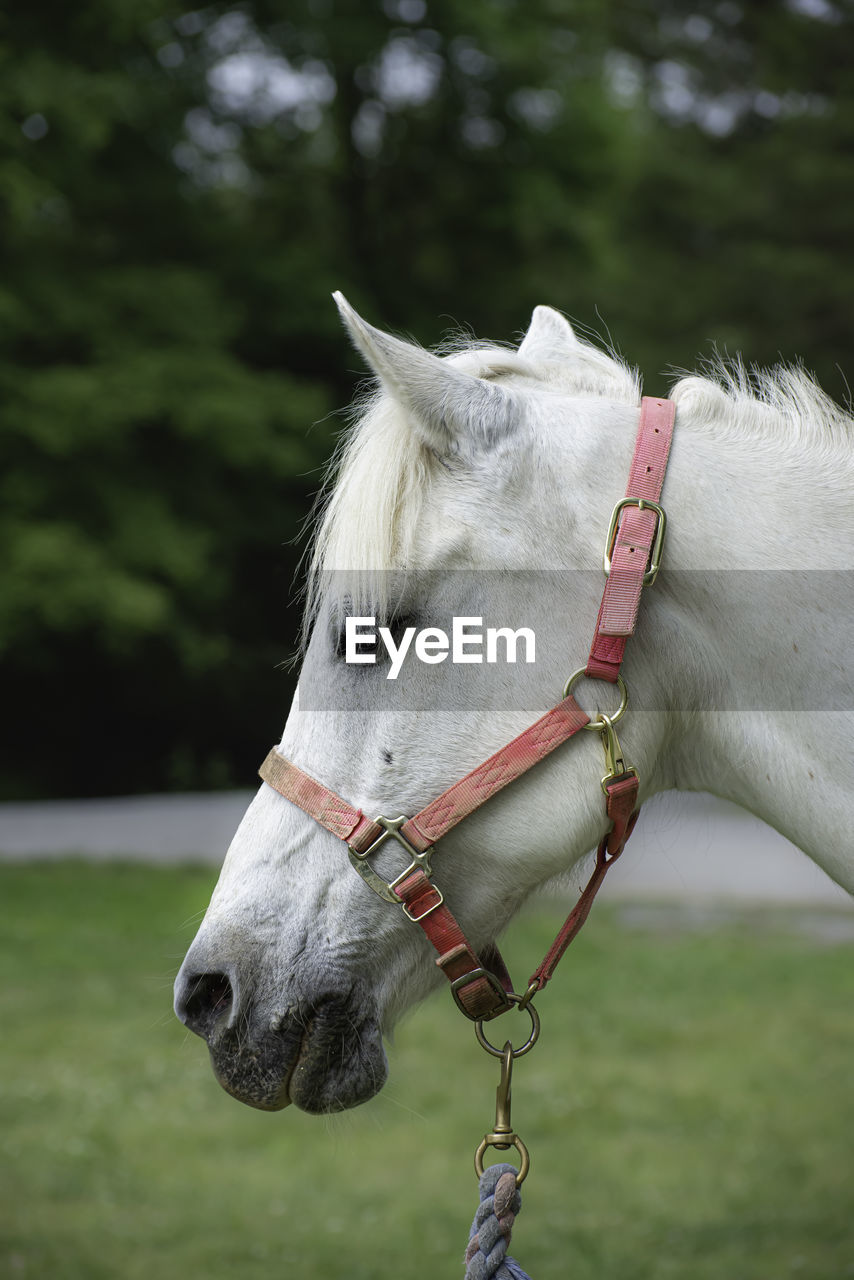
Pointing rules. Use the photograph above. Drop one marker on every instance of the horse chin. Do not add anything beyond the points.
(324, 1063)
(257, 1074)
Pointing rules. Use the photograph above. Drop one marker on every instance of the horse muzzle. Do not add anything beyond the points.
(324, 1053)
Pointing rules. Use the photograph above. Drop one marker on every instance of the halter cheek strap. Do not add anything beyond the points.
(482, 986)
(478, 987)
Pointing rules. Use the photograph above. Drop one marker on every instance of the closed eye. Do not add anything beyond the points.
(396, 622)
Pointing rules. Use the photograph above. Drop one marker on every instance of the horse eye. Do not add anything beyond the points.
(397, 624)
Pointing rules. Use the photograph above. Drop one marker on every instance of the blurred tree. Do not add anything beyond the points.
(180, 190)
(151, 469)
(735, 229)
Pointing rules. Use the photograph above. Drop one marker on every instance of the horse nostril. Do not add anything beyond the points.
(203, 1000)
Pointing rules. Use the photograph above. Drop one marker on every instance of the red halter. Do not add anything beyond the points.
(482, 987)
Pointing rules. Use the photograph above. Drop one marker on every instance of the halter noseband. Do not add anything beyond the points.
(481, 986)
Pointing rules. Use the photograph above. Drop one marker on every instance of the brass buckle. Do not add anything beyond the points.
(466, 979)
(642, 504)
(391, 831)
(424, 914)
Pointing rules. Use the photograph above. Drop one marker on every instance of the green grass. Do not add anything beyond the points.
(689, 1109)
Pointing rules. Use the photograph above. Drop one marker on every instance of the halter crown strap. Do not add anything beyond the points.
(637, 527)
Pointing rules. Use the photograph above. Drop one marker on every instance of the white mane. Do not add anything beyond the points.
(784, 403)
(382, 470)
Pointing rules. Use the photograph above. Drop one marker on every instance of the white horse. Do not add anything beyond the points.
(502, 459)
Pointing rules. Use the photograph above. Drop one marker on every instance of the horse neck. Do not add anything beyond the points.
(751, 628)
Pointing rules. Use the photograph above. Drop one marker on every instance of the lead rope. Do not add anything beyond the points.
(489, 1238)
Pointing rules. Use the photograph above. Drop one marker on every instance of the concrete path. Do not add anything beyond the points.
(687, 847)
(195, 827)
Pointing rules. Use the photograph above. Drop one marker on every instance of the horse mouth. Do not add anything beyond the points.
(324, 1061)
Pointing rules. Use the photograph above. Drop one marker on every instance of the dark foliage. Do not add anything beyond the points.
(181, 190)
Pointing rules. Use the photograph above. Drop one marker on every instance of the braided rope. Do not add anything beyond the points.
(500, 1202)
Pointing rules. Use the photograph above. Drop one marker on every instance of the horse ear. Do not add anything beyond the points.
(549, 338)
(453, 411)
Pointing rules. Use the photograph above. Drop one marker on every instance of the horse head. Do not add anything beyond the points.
(470, 487)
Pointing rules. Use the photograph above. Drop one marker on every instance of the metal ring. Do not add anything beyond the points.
(529, 1043)
(624, 697)
(513, 1140)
